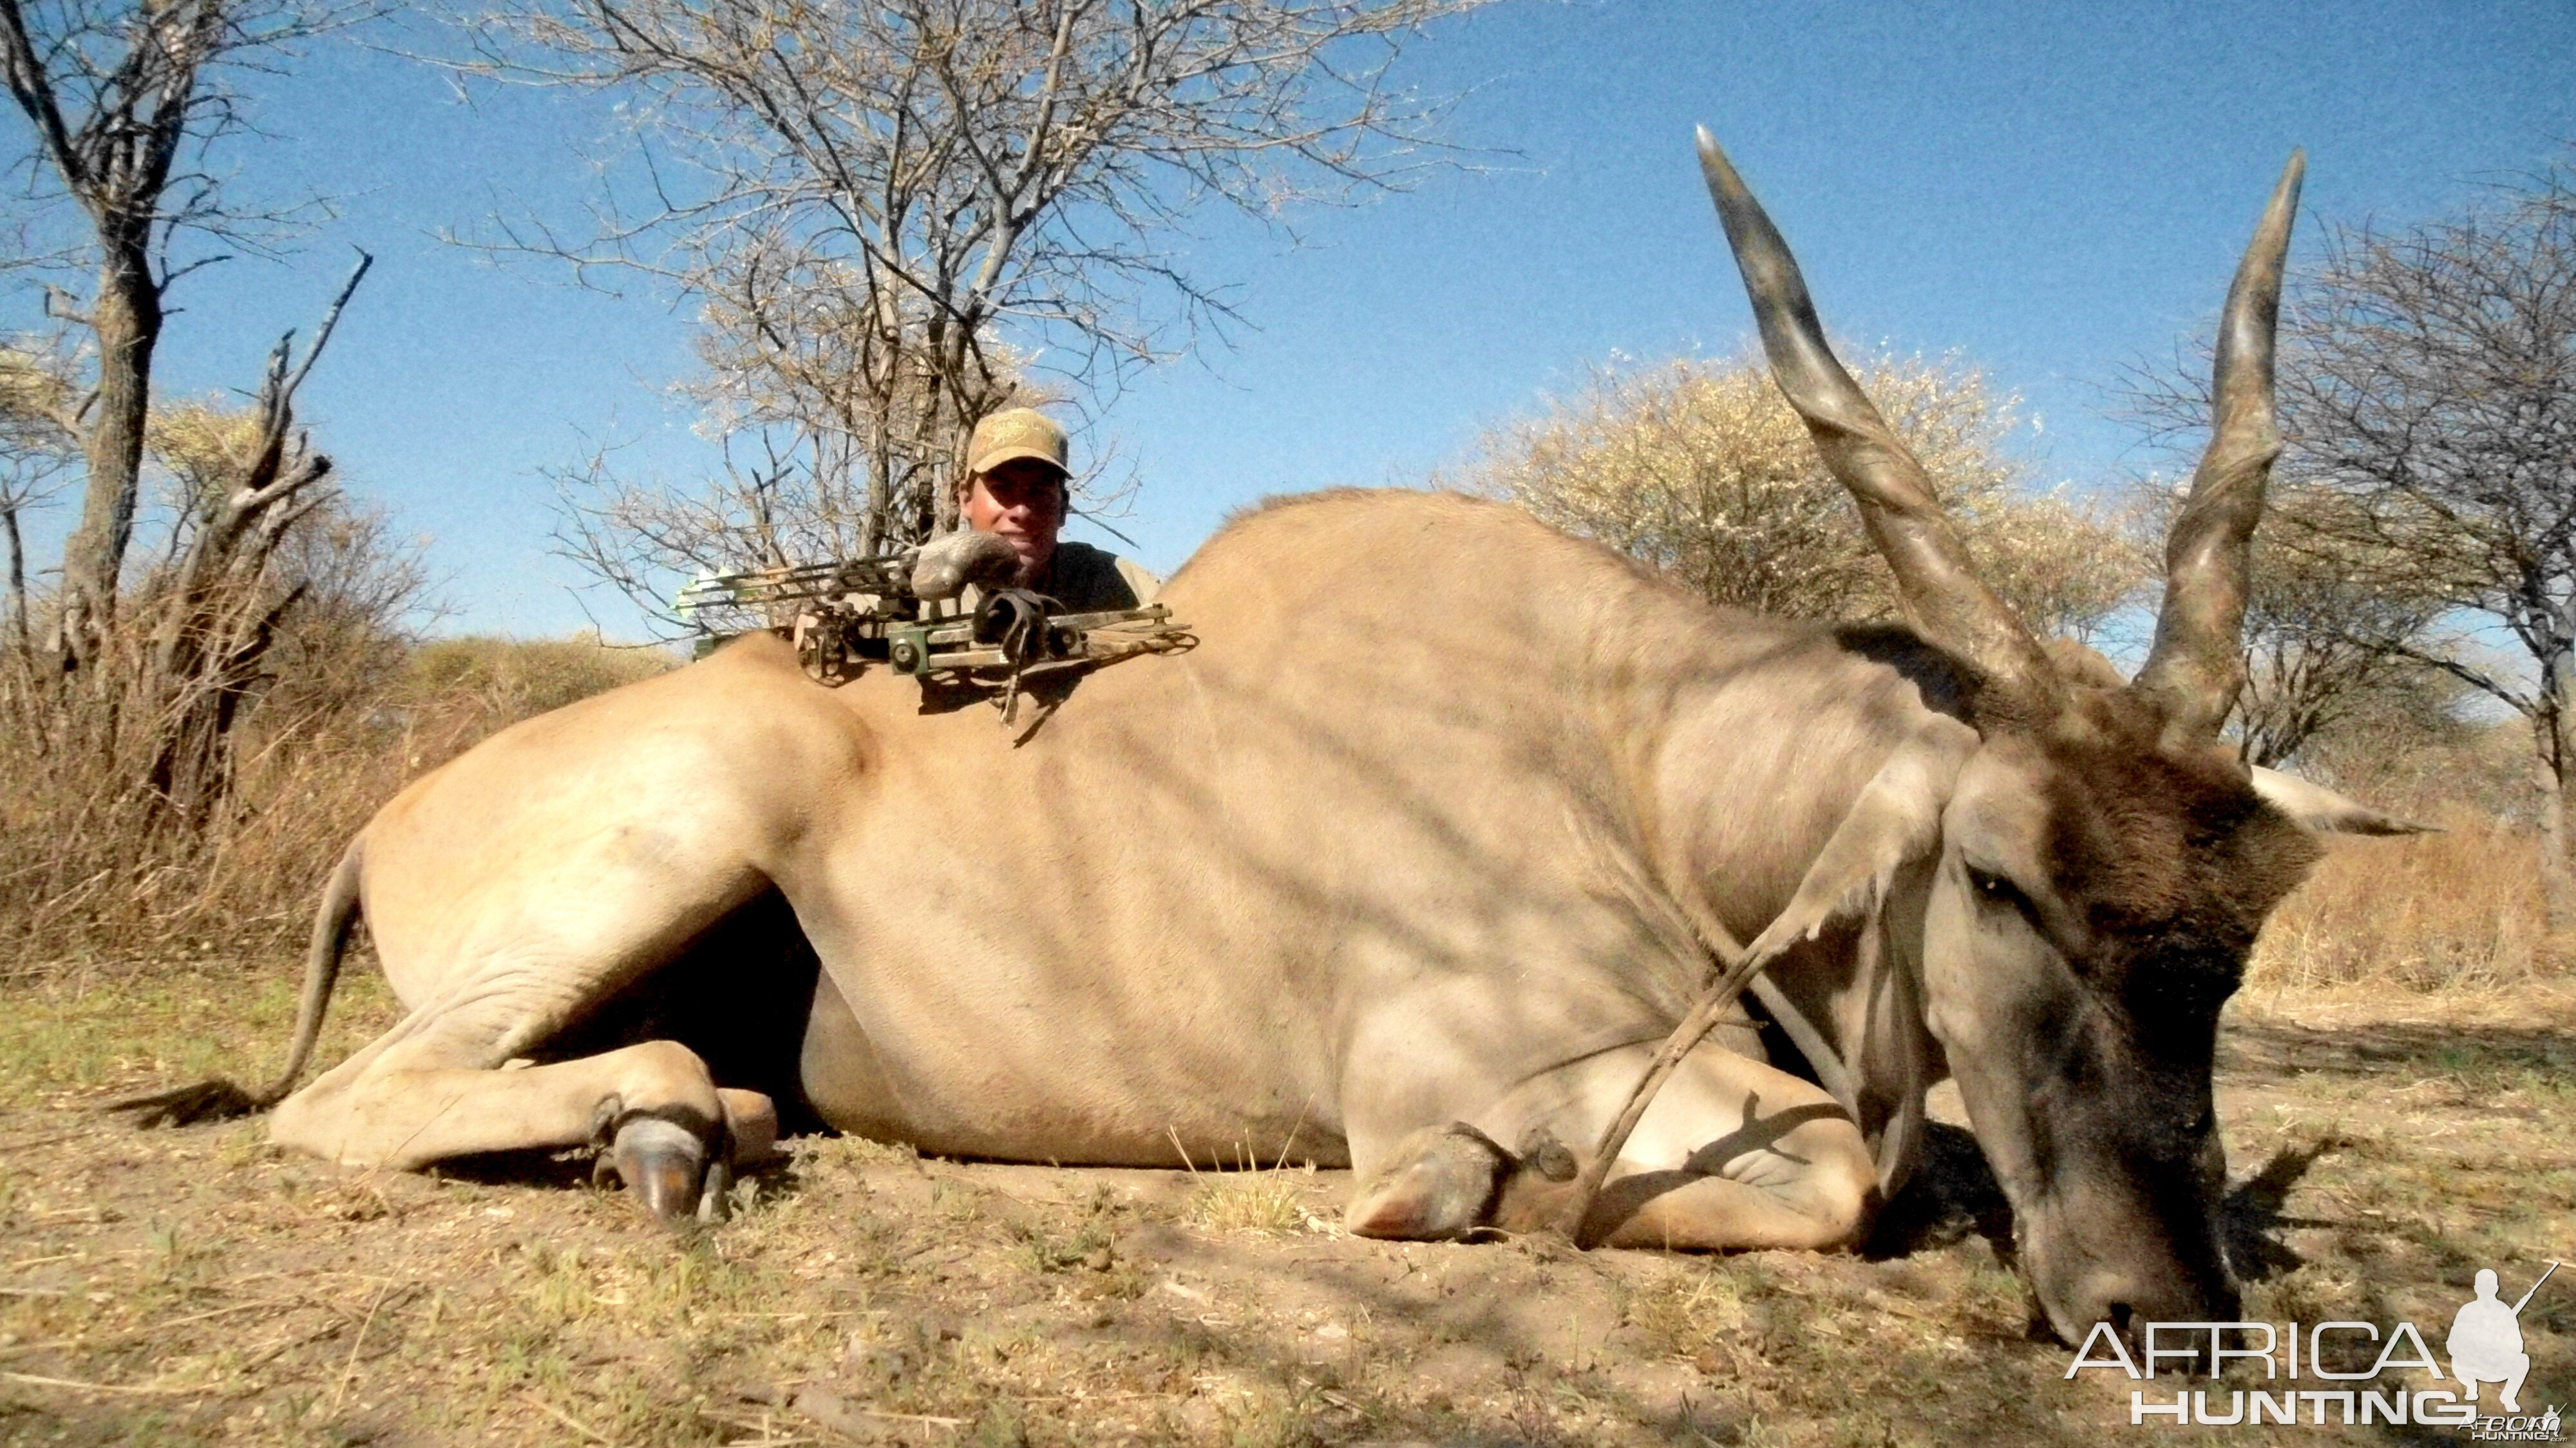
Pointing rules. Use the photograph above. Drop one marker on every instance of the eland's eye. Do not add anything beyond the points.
(1995, 889)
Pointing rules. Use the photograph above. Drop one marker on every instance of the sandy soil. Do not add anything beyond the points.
(198, 1287)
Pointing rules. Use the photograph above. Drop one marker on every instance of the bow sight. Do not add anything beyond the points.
(938, 609)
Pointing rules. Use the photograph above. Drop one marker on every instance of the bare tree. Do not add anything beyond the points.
(2428, 403)
(2435, 388)
(891, 212)
(245, 484)
(185, 817)
(128, 102)
(163, 684)
(1705, 472)
(35, 452)
(641, 539)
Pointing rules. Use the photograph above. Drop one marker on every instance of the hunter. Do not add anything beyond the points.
(1014, 487)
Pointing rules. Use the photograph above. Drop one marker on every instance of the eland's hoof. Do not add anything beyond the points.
(1436, 1185)
(662, 1164)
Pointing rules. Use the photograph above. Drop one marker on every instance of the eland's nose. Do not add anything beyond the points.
(2129, 1302)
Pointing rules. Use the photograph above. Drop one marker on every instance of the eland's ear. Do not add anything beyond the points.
(2324, 811)
(1896, 819)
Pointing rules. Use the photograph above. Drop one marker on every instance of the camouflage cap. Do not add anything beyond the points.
(1015, 433)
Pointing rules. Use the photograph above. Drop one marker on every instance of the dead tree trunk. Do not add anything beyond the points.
(218, 611)
(2549, 733)
(2557, 880)
(126, 319)
(18, 620)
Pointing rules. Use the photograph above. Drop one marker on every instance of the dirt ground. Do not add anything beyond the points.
(196, 1286)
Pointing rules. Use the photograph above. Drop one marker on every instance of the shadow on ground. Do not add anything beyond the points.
(195, 1286)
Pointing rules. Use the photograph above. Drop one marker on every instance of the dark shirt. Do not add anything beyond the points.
(1082, 578)
(1092, 580)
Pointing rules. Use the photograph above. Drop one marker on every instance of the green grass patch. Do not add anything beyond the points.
(86, 1029)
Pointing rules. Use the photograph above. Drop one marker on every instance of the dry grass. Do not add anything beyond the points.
(1251, 1201)
(78, 1031)
(197, 1287)
(2459, 910)
(85, 872)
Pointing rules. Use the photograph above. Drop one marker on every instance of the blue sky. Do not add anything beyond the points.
(2051, 190)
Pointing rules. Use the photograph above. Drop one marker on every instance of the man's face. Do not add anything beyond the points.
(1022, 503)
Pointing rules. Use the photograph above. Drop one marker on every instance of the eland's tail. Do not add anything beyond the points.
(219, 1099)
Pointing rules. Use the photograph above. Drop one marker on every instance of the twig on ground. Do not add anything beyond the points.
(763, 1424)
(568, 1420)
(350, 1370)
(144, 1331)
(11, 1148)
(931, 1418)
(262, 1356)
(44, 1382)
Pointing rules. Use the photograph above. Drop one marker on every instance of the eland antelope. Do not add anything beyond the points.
(1409, 867)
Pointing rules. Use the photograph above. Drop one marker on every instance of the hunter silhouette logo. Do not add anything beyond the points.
(2485, 1346)
(2486, 1341)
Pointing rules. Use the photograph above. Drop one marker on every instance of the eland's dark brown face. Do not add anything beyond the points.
(2096, 899)
(2105, 861)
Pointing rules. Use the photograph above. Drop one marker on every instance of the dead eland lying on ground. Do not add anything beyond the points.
(1423, 850)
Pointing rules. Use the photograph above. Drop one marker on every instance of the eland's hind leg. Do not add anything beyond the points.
(520, 888)
(502, 967)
